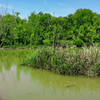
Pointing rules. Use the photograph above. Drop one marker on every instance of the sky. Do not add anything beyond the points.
(54, 7)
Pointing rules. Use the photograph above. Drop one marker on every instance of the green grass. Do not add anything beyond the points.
(70, 61)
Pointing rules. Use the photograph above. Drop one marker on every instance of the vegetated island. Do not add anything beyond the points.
(66, 45)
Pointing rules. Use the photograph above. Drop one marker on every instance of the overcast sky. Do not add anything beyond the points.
(56, 7)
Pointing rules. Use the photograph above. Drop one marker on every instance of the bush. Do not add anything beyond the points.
(78, 42)
(47, 42)
(65, 43)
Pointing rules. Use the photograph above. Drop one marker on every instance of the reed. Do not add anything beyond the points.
(70, 61)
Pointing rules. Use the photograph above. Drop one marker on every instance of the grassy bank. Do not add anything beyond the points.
(70, 61)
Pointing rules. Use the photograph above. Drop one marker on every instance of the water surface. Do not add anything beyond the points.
(24, 83)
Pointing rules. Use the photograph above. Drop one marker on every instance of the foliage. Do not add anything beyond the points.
(81, 28)
(84, 61)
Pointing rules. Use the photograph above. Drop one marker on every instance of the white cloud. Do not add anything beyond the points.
(4, 9)
(5, 6)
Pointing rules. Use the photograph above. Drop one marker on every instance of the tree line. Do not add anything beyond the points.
(81, 28)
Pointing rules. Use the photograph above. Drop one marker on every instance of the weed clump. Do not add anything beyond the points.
(70, 61)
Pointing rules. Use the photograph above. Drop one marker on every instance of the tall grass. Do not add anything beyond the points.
(71, 61)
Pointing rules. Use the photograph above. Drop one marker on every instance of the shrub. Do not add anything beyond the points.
(78, 42)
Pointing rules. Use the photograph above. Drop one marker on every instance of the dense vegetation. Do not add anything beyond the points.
(84, 61)
(80, 28)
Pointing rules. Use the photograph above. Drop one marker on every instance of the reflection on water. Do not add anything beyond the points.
(24, 83)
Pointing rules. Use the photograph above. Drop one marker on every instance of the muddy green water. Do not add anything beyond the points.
(24, 83)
